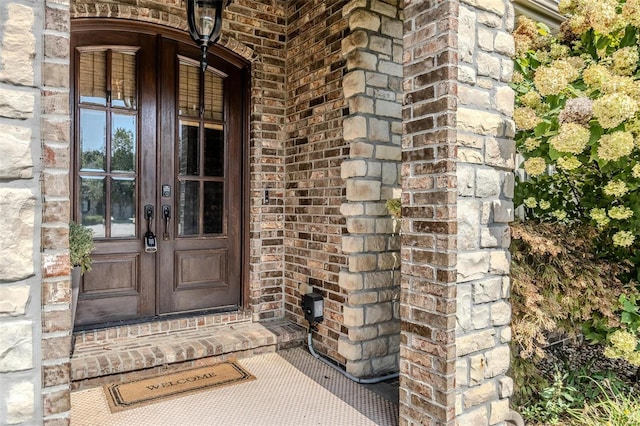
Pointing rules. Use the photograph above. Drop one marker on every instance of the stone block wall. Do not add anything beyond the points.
(486, 154)
(372, 86)
(21, 27)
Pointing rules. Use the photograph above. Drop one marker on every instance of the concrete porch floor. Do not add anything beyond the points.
(291, 388)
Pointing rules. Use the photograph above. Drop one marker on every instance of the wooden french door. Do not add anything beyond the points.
(158, 155)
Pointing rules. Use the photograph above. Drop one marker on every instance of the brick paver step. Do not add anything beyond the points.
(109, 356)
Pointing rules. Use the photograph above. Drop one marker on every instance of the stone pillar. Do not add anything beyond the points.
(458, 158)
(19, 187)
(373, 89)
(485, 189)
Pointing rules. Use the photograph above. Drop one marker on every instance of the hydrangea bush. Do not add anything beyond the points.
(578, 119)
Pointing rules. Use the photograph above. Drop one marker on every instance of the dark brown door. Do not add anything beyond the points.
(158, 148)
(201, 173)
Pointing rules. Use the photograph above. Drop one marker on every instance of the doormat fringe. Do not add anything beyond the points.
(136, 393)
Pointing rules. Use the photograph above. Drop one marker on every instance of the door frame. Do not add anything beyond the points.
(244, 68)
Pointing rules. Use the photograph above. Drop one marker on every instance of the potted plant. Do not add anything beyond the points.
(80, 248)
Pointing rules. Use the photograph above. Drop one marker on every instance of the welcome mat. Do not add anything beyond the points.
(122, 396)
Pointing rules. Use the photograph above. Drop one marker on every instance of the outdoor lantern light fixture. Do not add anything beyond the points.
(205, 22)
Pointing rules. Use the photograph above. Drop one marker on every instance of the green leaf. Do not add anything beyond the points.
(630, 37)
(542, 128)
(554, 154)
(602, 42)
(628, 304)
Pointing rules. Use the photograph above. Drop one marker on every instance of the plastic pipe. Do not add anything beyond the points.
(367, 381)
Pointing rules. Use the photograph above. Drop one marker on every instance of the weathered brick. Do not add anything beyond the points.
(498, 361)
(55, 321)
(353, 316)
(56, 402)
(377, 313)
(354, 83)
(499, 411)
(479, 394)
(16, 247)
(58, 374)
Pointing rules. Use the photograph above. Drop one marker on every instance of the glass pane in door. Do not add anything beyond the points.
(189, 90)
(123, 143)
(108, 139)
(123, 207)
(93, 78)
(213, 207)
(92, 204)
(189, 208)
(123, 80)
(213, 96)
(213, 150)
(188, 149)
(93, 140)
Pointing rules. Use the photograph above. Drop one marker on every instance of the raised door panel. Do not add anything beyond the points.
(201, 269)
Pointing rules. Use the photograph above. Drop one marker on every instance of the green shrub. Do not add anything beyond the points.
(611, 408)
(578, 129)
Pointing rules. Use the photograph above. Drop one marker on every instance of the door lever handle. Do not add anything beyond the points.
(150, 245)
(148, 212)
(166, 214)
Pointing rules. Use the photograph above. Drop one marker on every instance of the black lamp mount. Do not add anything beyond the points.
(205, 22)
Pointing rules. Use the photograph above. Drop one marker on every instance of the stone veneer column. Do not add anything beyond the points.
(19, 191)
(486, 154)
(458, 158)
(373, 89)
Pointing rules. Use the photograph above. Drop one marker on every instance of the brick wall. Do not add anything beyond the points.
(429, 240)
(314, 151)
(56, 124)
(21, 100)
(261, 26)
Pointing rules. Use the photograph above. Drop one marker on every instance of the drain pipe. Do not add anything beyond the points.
(368, 381)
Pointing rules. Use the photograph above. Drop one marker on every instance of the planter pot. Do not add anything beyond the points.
(76, 276)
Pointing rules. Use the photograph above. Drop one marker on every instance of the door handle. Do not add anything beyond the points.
(150, 243)
(166, 214)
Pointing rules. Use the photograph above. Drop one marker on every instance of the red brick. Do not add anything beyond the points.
(56, 265)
